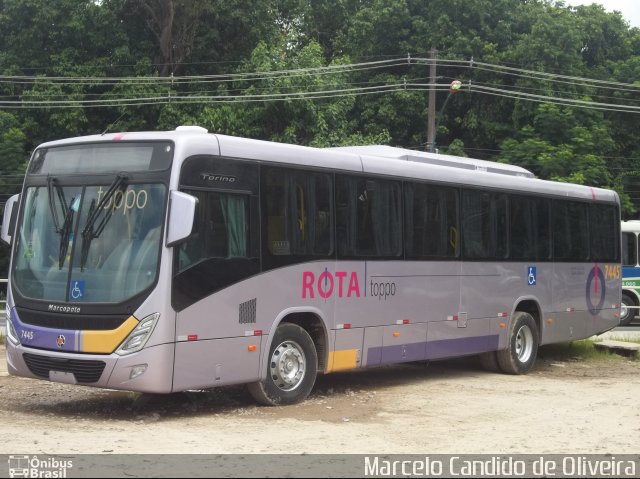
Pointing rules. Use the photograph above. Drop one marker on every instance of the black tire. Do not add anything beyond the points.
(630, 313)
(521, 352)
(489, 361)
(291, 369)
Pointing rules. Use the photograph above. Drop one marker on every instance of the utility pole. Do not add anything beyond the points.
(431, 112)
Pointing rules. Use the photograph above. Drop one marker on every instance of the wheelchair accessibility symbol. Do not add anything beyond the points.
(531, 276)
(76, 291)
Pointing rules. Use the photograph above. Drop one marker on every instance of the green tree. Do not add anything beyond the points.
(292, 119)
(126, 50)
(13, 160)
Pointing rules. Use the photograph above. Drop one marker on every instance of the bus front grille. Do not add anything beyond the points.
(85, 371)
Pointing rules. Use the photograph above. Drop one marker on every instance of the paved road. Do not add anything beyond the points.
(403, 409)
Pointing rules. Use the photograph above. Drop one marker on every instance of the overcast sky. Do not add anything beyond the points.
(630, 9)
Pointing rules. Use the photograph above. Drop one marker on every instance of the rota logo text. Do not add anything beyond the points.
(341, 283)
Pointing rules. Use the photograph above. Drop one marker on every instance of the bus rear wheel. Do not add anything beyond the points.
(521, 352)
(291, 369)
(627, 310)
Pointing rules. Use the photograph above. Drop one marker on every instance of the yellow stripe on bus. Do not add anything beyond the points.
(107, 341)
(343, 360)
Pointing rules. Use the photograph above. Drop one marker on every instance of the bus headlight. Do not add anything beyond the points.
(139, 336)
(12, 334)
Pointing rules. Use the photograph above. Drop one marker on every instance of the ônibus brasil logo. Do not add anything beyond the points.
(28, 466)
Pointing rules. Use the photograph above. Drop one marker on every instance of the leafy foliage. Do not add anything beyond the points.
(238, 49)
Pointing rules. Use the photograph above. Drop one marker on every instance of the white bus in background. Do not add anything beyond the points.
(630, 272)
(167, 261)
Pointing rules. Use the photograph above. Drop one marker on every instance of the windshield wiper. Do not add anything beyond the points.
(67, 210)
(66, 230)
(88, 232)
(52, 201)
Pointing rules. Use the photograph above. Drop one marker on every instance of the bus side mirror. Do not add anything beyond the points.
(182, 212)
(9, 219)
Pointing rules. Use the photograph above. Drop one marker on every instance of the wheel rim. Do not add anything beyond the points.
(524, 344)
(287, 365)
(624, 311)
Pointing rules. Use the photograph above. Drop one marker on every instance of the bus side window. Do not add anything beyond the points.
(629, 249)
(529, 233)
(604, 233)
(299, 214)
(344, 232)
(570, 231)
(220, 229)
(431, 221)
(484, 225)
(369, 217)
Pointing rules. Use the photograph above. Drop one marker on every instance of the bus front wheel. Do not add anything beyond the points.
(520, 355)
(291, 369)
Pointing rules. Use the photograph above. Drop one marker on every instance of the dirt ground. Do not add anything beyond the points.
(565, 405)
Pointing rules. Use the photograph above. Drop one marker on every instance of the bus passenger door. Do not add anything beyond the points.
(484, 277)
(448, 327)
(432, 279)
(218, 328)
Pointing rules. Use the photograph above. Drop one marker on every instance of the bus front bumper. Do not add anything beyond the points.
(149, 370)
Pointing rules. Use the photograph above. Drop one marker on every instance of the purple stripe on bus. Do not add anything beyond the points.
(455, 347)
(400, 353)
(38, 337)
(374, 356)
(431, 349)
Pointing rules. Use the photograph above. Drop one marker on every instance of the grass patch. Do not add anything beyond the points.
(620, 337)
(582, 350)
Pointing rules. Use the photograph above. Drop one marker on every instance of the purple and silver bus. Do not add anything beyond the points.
(167, 261)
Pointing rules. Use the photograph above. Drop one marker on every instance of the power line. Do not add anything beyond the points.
(557, 77)
(288, 92)
(529, 88)
(260, 75)
(557, 100)
(173, 97)
(197, 98)
(330, 69)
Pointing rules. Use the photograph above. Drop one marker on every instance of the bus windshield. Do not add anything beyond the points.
(89, 243)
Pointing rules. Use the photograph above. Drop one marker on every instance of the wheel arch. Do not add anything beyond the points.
(531, 305)
(313, 322)
(633, 294)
